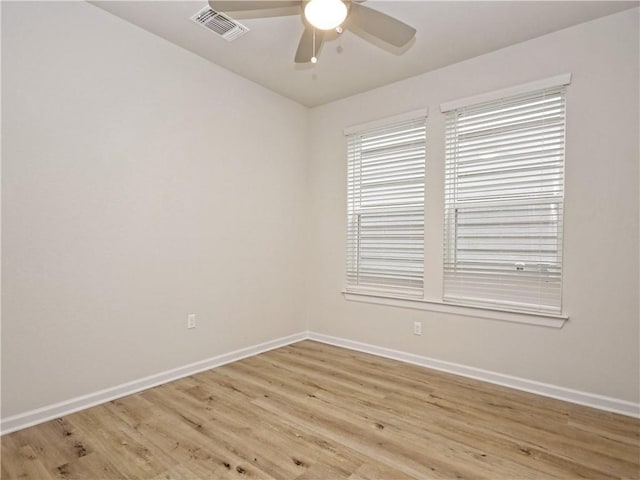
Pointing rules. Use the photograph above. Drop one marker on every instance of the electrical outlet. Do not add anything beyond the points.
(417, 328)
(191, 320)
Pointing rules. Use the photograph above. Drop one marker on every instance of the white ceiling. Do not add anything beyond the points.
(448, 32)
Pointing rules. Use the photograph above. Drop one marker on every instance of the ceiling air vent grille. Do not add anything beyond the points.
(219, 23)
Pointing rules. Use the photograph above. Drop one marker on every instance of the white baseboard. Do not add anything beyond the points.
(44, 414)
(600, 402)
(50, 412)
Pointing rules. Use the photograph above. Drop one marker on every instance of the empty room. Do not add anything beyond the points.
(325, 239)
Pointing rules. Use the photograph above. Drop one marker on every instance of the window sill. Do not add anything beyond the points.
(541, 319)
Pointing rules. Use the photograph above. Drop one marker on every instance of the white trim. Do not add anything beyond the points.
(50, 412)
(399, 293)
(383, 122)
(593, 400)
(558, 80)
(542, 319)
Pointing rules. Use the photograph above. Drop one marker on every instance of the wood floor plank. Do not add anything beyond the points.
(418, 381)
(26, 464)
(375, 470)
(314, 411)
(93, 465)
(193, 441)
(171, 435)
(380, 420)
(237, 437)
(518, 452)
(305, 449)
(593, 449)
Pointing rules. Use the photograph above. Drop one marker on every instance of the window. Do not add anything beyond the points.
(385, 234)
(504, 188)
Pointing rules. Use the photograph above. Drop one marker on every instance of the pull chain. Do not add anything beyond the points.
(314, 59)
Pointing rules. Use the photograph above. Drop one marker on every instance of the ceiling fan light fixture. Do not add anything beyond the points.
(325, 14)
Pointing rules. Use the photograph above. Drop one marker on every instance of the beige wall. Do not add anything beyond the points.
(597, 350)
(140, 183)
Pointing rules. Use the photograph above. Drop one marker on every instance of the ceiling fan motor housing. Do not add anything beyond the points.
(349, 14)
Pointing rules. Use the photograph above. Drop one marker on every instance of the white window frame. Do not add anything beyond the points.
(481, 278)
(437, 305)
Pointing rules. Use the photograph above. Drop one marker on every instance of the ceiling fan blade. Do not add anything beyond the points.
(380, 25)
(246, 5)
(305, 47)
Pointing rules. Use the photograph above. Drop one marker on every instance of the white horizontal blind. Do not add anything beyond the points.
(385, 235)
(504, 190)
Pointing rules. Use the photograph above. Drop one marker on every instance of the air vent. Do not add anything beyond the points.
(219, 23)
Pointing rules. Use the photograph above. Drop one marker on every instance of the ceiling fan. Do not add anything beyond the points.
(320, 16)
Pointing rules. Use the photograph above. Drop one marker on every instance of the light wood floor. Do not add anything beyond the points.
(314, 411)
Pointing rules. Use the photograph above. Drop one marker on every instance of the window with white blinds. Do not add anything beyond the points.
(504, 189)
(385, 235)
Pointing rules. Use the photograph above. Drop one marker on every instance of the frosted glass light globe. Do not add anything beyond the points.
(325, 14)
